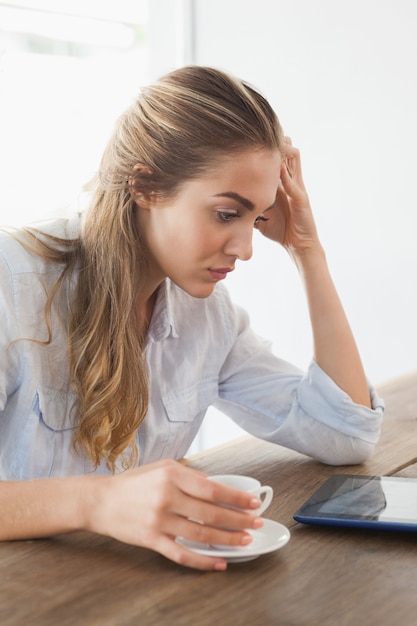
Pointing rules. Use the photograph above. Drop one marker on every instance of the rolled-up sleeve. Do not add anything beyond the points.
(326, 424)
(304, 411)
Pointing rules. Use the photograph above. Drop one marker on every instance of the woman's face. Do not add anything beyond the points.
(196, 237)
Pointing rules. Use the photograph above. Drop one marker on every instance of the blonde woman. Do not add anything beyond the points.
(117, 333)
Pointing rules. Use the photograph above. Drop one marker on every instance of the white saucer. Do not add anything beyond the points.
(270, 537)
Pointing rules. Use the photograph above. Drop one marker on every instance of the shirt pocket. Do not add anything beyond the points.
(44, 447)
(185, 410)
(57, 409)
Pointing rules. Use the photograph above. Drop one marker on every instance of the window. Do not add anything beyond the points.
(67, 69)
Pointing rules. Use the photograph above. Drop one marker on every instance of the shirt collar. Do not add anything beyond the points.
(163, 320)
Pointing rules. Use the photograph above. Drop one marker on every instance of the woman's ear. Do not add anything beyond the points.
(140, 185)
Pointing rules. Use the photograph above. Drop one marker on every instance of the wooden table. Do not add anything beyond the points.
(327, 576)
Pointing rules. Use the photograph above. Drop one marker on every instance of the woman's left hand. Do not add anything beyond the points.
(290, 221)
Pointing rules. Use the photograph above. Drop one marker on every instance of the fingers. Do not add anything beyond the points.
(174, 551)
(189, 493)
(291, 172)
(200, 499)
(196, 531)
(215, 492)
(193, 512)
(291, 156)
(201, 491)
(204, 505)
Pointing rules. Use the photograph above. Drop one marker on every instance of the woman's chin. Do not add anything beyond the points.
(198, 291)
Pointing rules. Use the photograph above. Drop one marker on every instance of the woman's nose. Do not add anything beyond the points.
(240, 245)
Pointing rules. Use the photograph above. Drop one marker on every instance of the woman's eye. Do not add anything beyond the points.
(225, 216)
(260, 218)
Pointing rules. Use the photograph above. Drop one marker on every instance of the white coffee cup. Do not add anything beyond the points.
(251, 486)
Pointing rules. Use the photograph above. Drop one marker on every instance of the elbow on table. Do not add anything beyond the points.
(353, 452)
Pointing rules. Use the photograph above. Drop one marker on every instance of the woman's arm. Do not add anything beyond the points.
(291, 223)
(147, 507)
(335, 350)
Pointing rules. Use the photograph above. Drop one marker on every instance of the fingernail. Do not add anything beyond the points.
(255, 503)
(246, 539)
(257, 522)
(220, 566)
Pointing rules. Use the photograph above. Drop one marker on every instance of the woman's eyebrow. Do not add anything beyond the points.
(236, 196)
(248, 204)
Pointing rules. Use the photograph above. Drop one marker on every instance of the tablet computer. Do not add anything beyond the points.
(379, 502)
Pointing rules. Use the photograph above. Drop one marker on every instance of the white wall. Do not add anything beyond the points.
(342, 77)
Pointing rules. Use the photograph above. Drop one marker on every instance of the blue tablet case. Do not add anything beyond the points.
(379, 502)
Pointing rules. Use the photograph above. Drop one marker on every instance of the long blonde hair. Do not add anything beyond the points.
(178, 127)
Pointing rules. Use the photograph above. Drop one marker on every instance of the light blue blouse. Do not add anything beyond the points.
(200, 352)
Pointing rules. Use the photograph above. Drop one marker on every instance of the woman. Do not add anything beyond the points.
(117, 335)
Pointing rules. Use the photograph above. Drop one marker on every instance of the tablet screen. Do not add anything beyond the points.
(344, 499)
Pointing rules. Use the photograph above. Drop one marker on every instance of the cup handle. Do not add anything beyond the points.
(267, 492)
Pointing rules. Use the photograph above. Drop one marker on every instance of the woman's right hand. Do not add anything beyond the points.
(152, 505)
(290, 222)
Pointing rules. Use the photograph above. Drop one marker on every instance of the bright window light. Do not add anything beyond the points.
(67, 70)
(66, 27)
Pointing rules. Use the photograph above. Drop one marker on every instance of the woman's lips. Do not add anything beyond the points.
(219, 273)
